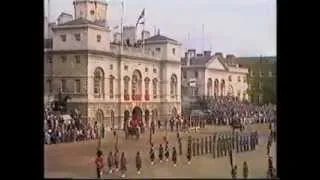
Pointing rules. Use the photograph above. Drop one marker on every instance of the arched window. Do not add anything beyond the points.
(98, 83)
(209, 87)
(173, 86)
(222, 87)
(111, 79)
(99, 116)
(112, 119)
(146, 86)
(230, 90)
(136, 85)
(126, 80)
(216, 87)
(154, 88)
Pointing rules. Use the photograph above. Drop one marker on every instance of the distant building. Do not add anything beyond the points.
(262, 77)
(209, 75)
(117, 37)
(64, 17)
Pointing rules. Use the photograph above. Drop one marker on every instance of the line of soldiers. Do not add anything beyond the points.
(220, 143)
(163, 152)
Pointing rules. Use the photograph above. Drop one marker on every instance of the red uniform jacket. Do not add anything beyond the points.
(99, 162)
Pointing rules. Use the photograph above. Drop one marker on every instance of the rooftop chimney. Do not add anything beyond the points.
(230, 56)
(219, 54)
(191, 52)
(207, 53)
(158, 31)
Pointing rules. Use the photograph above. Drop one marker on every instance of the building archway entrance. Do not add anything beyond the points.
(136, 114)
(147, 117)
(126, 119)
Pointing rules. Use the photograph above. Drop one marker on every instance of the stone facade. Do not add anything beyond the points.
(104, 81)
(207, 75)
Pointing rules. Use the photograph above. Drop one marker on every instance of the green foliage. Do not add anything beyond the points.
(266, 87)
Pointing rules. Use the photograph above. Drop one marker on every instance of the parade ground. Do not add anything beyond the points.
(76, 160)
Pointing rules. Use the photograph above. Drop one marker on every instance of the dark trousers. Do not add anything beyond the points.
(98, 173)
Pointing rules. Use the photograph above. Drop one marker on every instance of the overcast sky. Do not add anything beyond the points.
(240, 27)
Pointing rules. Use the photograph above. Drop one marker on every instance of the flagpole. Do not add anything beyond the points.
(121, 26)
(143, 26)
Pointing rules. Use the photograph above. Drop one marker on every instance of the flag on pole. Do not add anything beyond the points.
(140, 17)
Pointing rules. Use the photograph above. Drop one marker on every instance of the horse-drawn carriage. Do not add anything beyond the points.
(134, 128)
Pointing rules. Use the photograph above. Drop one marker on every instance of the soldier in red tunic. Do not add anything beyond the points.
(99, 164)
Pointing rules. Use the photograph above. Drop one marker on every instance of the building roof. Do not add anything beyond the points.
(63, 13)
(258, 58)
(159, 37)
(81, 21)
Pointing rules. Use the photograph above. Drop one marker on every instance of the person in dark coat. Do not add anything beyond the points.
(189, 154)
(174, 156)
(152, 154)
(116, 160)
(123, 165)
(110, 162)
(245, 170)
(160, 153)
(99, 164)
(180, 146)
(152, 127)
(138, 163)
(234, 172)
(159, 124)
(167, 152)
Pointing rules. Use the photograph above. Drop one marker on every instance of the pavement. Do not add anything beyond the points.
(76, 160)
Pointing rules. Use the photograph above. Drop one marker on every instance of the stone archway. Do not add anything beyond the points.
(146, 117)
(112, 119)
(136, 113)
(99, 116)
(126, 119)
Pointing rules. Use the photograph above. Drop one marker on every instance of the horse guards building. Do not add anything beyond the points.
(110, 84)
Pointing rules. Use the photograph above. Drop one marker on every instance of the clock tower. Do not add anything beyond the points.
(92, 10)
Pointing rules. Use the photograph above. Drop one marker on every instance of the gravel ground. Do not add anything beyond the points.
(76, 160)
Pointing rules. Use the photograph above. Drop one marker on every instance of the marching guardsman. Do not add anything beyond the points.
(231, 157)
(152, 127)
(159, 124)
(123, 165)
(194, 146)
(237, 142)
(269, 143)
(225, 145)
(245, 170)
(198, 146)
(189, 154)
(116, 160)
(256, 137)
(180, 146)
(234, 172)
(167, 152)
(138, 163)
(174, 156)
(160, 153)
(252, 141)
(99, 164)
(110, 162)
(270, 167)
(201, 145)
(218, 147)
(241, 142)
(246, 145)
(152, 154)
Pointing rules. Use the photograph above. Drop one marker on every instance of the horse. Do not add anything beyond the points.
(132, 131)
